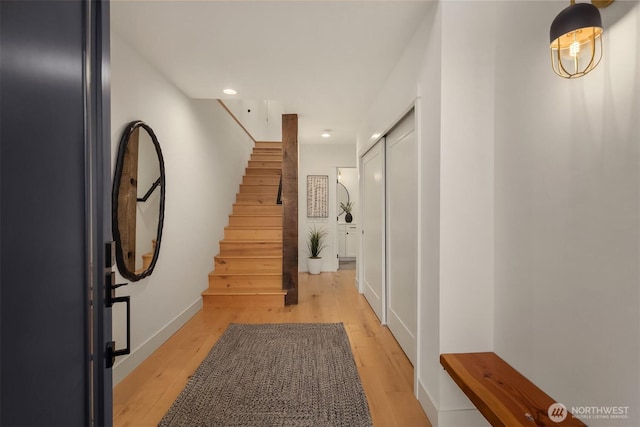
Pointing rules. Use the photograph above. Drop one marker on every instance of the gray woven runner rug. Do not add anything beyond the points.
(300, 374)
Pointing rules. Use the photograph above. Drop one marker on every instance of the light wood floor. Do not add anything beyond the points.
(146, 394)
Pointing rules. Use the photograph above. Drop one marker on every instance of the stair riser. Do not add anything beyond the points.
(246, 209)
(261, 180)
(264, 171)
(258, 203)
(268, 152)
(267, 189)
(244, 282)
(244, 221)
(239, 234)
(266, 157)
(268, 144)
(256, 266)
(147, 258)
(250, 248)
(244, 301)
(265, 164)
(264, 199)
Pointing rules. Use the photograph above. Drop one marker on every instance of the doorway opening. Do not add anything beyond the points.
(347, 217)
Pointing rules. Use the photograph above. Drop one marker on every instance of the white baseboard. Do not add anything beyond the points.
(126, 365)
(453, 418)
(462, 418)
(427, 404)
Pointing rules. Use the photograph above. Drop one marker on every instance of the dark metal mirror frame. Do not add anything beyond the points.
(348, 198)
(131, 127)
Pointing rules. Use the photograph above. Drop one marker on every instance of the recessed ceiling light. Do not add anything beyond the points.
(375, 136)
(230, 91)
(326, 134)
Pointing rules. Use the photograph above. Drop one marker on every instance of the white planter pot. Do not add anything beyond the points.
(315, 265)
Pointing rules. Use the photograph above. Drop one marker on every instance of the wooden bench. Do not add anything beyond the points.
(502, 394)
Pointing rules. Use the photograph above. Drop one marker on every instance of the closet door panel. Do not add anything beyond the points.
(402, 243)
(373, 252)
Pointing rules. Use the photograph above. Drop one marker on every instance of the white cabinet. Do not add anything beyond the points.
(342, 240)
(352, 241)
(347, 240)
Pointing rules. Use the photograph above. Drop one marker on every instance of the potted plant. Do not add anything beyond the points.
(315, 245)
(347, 207)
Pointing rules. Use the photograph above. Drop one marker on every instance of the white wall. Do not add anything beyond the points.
(428, 117)
(455, 190)
(529, 226)
(567, 216)
(205, 154)
(320, 159)
(262, 119)
(466, 186)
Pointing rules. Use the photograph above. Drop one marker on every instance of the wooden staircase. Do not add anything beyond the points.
(248, 269)
(147, 258)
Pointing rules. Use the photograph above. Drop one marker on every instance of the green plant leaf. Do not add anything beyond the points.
(347, 207)
(315, 241)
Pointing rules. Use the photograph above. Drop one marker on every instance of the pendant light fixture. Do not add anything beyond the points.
(576, 39)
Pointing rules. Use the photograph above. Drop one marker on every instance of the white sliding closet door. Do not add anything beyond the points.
(373, 255)
(402, 232)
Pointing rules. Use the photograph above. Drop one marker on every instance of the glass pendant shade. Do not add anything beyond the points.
(576, 42)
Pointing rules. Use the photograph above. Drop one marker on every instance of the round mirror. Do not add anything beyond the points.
(138, 201)
(343, 197)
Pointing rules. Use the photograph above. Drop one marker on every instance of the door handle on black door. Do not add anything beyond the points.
(110, 298)
(111, 352)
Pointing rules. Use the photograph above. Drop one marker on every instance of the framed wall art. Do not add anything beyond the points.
(317, 196)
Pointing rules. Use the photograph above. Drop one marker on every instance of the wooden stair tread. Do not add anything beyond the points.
(248, 256)
(258, 193)
(253, 291)
(214, 273)
(252, 227)
(256, 214)
(262, 184)
(250, 242)
(256, 203)
(248, 196)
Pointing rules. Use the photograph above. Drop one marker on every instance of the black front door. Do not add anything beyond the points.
(54, 213)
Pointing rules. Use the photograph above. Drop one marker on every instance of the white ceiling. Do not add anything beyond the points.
(323, 60)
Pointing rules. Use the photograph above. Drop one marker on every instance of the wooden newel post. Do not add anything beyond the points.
(290, 207)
